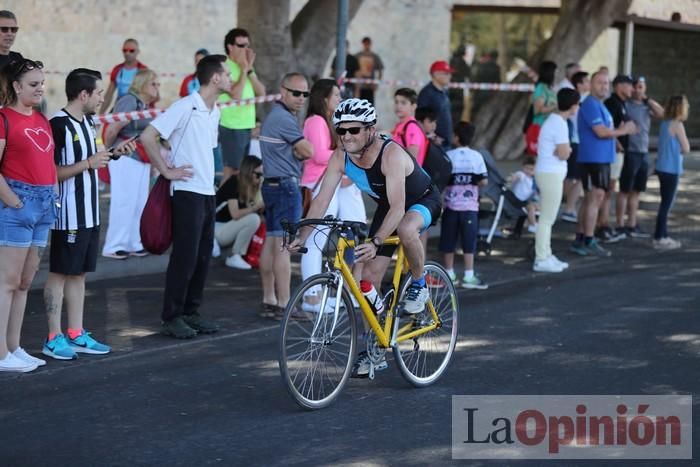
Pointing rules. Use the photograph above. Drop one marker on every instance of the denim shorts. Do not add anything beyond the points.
(29, 225)
(282, 202)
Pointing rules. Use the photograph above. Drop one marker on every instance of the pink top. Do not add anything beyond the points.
(317, 133)
(411, 135)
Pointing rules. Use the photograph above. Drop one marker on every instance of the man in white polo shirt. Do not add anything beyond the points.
(190, 125)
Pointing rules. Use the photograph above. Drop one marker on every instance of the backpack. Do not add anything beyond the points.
(436, 163)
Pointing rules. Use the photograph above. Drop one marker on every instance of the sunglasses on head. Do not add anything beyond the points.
(130, 51)
(25, 65)
(353, 131)
(297, 93)
(7, 29)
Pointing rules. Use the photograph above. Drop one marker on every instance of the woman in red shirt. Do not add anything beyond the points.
(27, 200)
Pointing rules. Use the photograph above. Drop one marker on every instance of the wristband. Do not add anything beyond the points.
(378, 243)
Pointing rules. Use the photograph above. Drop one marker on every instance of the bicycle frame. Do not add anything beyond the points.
(385, 337)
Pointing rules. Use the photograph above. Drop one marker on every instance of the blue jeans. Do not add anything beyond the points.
(282, 203)
(668, 184)
(28, 226)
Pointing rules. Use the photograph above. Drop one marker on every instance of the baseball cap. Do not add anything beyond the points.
(622, 79)
(204, 52)
(441, 65)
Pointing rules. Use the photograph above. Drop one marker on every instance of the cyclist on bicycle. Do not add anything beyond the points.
(407, 201)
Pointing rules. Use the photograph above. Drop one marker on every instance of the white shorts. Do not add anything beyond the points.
(616, 166)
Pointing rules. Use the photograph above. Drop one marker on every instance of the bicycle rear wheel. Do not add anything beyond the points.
(423, 359)
(316, 354)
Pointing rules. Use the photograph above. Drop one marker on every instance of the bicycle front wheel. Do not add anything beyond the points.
(423, 359)
(317, 350)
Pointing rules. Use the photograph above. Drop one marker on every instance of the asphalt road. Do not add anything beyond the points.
(606, 327)
(622, 325)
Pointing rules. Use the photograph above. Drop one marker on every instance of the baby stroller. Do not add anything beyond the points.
(503, 204)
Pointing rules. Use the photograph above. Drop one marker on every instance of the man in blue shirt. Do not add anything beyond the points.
(596, 152)
(434, 96)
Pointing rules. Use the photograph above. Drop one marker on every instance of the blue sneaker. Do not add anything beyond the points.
(59, 348)
(86, 344)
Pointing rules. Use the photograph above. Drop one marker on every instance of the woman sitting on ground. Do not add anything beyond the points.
(239, 203)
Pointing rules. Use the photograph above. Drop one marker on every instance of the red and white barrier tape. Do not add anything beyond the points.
(153, 113)
(517, 87)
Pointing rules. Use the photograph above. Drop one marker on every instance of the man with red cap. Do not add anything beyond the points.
(434, 96)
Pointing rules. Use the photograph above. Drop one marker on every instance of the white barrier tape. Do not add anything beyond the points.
(152, 113)
(107, 73)
(517, 87)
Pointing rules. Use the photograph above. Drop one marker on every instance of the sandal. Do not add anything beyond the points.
(268, 311)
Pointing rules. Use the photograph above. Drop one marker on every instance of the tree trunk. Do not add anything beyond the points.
(304, 45)
(270, 34)
(500, 121)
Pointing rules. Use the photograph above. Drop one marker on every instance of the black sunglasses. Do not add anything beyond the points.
(7, 29)
(25, 65)
(353, 131)
(296, 93)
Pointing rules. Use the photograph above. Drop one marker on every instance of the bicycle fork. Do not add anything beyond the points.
(339, 283)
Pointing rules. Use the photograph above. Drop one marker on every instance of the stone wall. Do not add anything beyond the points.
(408, 34)
(67, 34)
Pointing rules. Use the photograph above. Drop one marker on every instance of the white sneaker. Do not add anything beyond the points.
(415, 298)
(547, 265)
(237, 262)
(216, 250)
(532, 228)
(24, 356)
(14, 364)
(666, 243)
(561, 263)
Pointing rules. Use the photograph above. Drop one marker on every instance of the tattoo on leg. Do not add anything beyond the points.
(53, 303)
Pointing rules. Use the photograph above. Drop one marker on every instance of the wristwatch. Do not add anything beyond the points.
(377, 242)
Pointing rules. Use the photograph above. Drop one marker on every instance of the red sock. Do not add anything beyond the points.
(74, 333)
(52, 335)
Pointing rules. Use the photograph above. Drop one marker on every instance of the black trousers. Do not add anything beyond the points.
(193, 238)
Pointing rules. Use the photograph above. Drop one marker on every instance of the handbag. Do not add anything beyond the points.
(156, 226)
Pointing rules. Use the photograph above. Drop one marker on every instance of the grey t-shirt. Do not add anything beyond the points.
(640, 113)
(279, 133)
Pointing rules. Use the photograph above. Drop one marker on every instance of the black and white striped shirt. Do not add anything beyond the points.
(79, 195)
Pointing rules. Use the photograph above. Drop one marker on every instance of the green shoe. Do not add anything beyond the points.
(178, 328)
(474, 282)
(199, 324)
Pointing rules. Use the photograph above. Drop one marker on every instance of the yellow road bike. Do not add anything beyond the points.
(319, 343)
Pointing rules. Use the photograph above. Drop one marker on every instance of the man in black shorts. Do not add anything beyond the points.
(408, 203)
(596, 152)
(633, 179)
(75, 236)
(572, 183)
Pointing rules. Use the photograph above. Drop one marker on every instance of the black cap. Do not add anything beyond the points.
(622, 79)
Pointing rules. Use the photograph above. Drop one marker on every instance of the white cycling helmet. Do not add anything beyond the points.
(355, 110)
